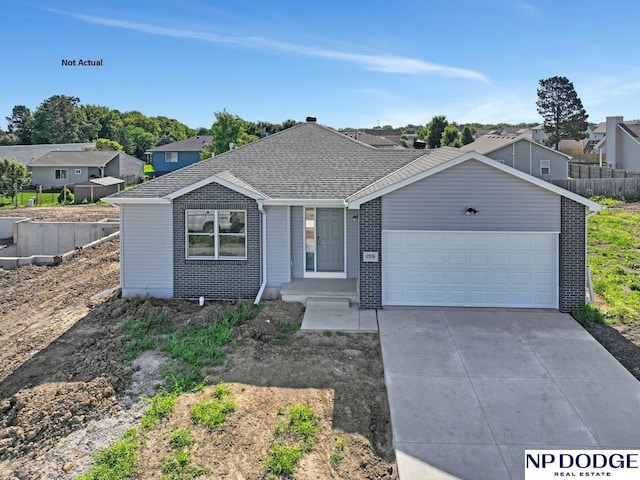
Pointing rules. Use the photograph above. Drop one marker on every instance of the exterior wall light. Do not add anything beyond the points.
(354, 219)
(471, 211)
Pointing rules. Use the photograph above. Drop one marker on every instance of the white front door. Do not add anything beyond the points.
(501, 269)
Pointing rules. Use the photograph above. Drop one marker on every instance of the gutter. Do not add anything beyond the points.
(587, 272)
(263, 252)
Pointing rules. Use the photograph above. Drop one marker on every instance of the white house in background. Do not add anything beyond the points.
(621, 144)
(538, 134)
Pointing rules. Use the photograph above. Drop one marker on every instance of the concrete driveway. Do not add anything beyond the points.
(471, 389)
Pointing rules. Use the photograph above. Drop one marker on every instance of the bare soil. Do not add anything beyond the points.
(67, 213)
(65, 392)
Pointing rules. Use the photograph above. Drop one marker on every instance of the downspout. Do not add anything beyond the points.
(263, 252)
(586, 266)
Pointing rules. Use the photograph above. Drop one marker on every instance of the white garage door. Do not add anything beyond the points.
(470, 269)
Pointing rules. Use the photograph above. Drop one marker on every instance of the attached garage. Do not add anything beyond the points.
(474, 269)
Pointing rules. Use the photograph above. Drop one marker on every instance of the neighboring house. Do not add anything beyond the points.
(621, 144)
(594, 135)
(57, 169)
(412, 227)
(522, 154)
(538, 134)
(25, 154)
(174, 156)
(373, 140)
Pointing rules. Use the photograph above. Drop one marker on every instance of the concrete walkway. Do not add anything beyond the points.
(471, 389)
(351, 319)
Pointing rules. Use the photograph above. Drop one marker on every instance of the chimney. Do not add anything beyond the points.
(311, 119)
(613, 145)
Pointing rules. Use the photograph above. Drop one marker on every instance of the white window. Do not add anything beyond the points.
(78, 171)
(61, 174)
(545, 167)
(171, 157)
(216, 234)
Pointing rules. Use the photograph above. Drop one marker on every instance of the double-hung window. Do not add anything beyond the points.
(60, 174)
(545, 167)
(171, 157)
(216, 234)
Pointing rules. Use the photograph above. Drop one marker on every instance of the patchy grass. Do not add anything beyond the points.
(117, 461)
(588, 315)
(614, 260)
(180, 467)
(162, 406)
(212, 413)
(339, 452)
(292, 438)
(283, 337)
(143, 333)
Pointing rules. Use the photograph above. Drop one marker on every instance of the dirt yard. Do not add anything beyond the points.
(69, 213)
(65, 391)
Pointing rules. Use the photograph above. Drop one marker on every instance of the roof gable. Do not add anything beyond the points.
(192, 144)
(356, 200)
(490, 143)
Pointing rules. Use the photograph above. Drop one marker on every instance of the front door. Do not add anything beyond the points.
(330, 240)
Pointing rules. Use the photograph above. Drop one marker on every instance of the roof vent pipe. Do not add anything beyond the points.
(231, 146)
(311, 119)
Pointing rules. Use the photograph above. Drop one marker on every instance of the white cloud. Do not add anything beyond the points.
(529, 9)
(380, 63)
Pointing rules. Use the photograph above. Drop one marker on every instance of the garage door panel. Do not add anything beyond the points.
(470, 269)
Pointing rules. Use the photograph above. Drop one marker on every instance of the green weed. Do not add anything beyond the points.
(282, 460)
(115, 462)
(162, 405)
(337, 456)
(589, 314)
(179, 467)
(212, 413)
(142, 333)
(181, 438)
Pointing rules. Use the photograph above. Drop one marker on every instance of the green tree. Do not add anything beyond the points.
(137, 141)
(106, 144)
(288, 124)
(562, 110)
(467, 135)
(208, 150)
(450, 137)
(229, 128)
(8, 138)
(20, 123)
(58, 120)
(12, 173)
(432, 132)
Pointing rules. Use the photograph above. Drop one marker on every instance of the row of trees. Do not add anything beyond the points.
(62, 119)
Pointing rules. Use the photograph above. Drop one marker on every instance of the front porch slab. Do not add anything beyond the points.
(352, 320)
(301, 289)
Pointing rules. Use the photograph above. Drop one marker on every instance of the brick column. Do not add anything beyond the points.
(370, 273)
(572, 256)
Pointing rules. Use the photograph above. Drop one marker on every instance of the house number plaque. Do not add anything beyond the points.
(370, 257)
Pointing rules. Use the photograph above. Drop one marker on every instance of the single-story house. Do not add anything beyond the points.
(522, 153)
(58, 168)
(96, 188)
(25, 154)
(410, 227)
(176, 155)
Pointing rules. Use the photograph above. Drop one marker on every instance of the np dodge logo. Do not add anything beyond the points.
(612, 464)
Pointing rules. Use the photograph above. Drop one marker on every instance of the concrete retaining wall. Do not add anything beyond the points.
(6, 226)
(55, 238)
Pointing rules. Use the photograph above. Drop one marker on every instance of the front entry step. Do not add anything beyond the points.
(328, 303)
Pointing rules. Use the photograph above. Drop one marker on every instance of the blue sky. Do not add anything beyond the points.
(351, 64)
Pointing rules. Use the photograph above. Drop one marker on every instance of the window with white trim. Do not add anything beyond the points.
(78, 171)
(171, 157)
(545, 167)
(216, 234)
(61, 174)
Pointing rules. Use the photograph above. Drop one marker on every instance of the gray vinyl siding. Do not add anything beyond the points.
(629, 152)
(527, 157)
(146, 246)
(504, 203)
(278, 238)
(353, 246)
(112, 169)
(297, 238)
(46, 176)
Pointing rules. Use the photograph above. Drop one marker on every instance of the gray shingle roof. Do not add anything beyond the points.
(372, 140)
(307, 161)
(193, 144)
(431, 159)
(75, 159)
(27, 153)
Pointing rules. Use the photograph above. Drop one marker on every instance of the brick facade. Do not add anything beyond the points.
(216, 279)
(370, 218)
(572, 251)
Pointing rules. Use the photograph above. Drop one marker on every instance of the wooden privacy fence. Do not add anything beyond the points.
(577, 170)
(620, 188)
